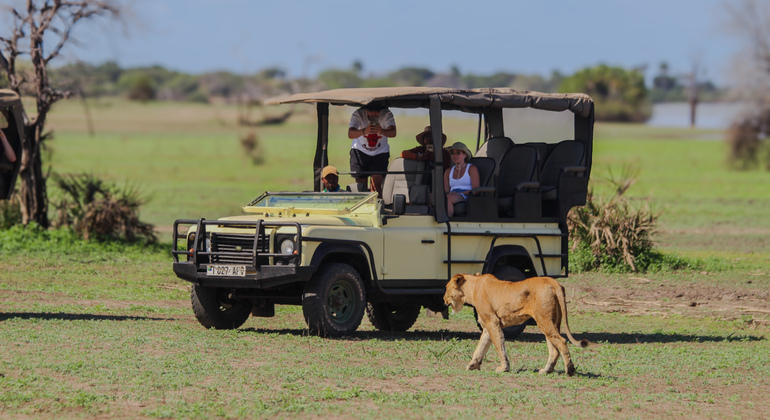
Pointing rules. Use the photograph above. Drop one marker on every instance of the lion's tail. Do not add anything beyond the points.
(559, 289)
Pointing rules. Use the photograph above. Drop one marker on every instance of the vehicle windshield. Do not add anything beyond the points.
(336, 202)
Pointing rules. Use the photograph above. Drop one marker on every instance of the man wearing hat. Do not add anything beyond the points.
(370, 127)
(330, 178)
(424, 151)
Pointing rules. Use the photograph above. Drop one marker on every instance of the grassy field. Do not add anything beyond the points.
(91, 332)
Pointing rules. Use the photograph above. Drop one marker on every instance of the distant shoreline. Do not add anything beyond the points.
(709, 115)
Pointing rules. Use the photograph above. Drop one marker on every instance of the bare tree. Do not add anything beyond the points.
(51, 21)
(693, 88)
(749, 21)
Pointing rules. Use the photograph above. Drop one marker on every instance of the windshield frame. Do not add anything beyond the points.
(312, 202)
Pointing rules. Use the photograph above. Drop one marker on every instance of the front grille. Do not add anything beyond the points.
(242, 245)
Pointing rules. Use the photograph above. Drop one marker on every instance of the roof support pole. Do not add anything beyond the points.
(322, 141)
(438, 170)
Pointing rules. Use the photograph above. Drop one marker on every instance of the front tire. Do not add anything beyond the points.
(390, 317)
(333, 301)
(215, 307)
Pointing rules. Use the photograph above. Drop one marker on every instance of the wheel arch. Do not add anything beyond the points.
(347, 253)
(511, 255)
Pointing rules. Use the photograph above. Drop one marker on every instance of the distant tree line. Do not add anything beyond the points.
(620, 94)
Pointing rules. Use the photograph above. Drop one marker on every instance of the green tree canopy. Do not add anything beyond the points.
(618, 94)
(335, 79)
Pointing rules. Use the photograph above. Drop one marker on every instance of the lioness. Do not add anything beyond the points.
(501, 304)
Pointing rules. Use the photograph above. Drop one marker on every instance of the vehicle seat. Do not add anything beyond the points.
(358, 187)
(566, 156)
(411, 185)
(516, 174)
(486, 167)
(495, 148)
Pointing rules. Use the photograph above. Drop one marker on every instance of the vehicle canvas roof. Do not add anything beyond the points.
(468, 100)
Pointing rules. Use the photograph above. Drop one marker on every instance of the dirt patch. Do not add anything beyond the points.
(635, 294)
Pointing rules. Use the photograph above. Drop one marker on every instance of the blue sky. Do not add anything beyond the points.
(478, 36)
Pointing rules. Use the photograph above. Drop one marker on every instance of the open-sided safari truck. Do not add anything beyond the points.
(339, 255)
(13, 127)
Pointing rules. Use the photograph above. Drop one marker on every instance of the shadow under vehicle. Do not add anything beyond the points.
(340, 255)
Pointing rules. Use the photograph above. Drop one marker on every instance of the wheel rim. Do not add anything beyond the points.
(226, 302)
(341, 301)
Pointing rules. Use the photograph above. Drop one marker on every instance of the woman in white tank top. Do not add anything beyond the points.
(460, 178)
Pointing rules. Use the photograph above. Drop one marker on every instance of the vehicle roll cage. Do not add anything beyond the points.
(487, 103)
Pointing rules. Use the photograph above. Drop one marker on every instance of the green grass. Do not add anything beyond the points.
(92, 330)
(140, 362)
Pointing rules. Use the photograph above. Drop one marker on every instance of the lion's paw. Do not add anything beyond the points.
(473, 366)
(501, 369)
(544, 371)
(570, 369)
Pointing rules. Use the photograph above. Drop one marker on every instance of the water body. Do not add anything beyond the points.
(707, 115)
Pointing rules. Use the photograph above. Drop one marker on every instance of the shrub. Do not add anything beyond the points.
(10, 212)
(613, 231)
(253, 148)
(97, 210)
(747, 138)
(615, 236)
(32, 239)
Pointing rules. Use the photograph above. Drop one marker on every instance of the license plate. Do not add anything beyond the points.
(226, 270)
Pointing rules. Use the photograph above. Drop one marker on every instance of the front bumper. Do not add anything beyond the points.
(238, 243)
(264, 277)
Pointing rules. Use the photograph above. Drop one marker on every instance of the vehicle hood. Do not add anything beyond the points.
(310, 220)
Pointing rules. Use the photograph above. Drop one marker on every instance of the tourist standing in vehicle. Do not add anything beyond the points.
(370, 128)
(424, 152)
(7, 149)
(461, 178)
(330, 178)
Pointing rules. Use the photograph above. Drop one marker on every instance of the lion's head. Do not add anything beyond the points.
(454, 296)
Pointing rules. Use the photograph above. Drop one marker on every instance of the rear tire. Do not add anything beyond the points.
(333, 301)
(215, 307)
(513, 274)
(390, 317)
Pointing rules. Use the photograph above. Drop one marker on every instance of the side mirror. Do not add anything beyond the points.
(399, 204)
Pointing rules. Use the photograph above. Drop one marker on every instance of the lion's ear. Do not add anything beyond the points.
(459, 279)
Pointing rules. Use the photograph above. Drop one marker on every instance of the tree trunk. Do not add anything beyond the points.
(32, 188)
(693, 107)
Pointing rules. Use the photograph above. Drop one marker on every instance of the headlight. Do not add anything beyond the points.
(287, 246)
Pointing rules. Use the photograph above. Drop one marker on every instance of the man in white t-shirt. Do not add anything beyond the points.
(370, 128)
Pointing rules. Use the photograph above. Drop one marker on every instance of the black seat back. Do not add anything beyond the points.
(518, 165)
(564, 154)
(495, 148)
(486, 167)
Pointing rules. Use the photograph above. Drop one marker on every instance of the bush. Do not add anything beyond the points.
(10, 212)
(96, 210)
(32, 239)
(614, 236)
(253, 148)
(747, 138)
(613, 232)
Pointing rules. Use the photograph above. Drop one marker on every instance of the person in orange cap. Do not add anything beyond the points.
(331, 179)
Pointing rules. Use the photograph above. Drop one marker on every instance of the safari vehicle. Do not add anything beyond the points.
(13, 127)
(339, 255)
